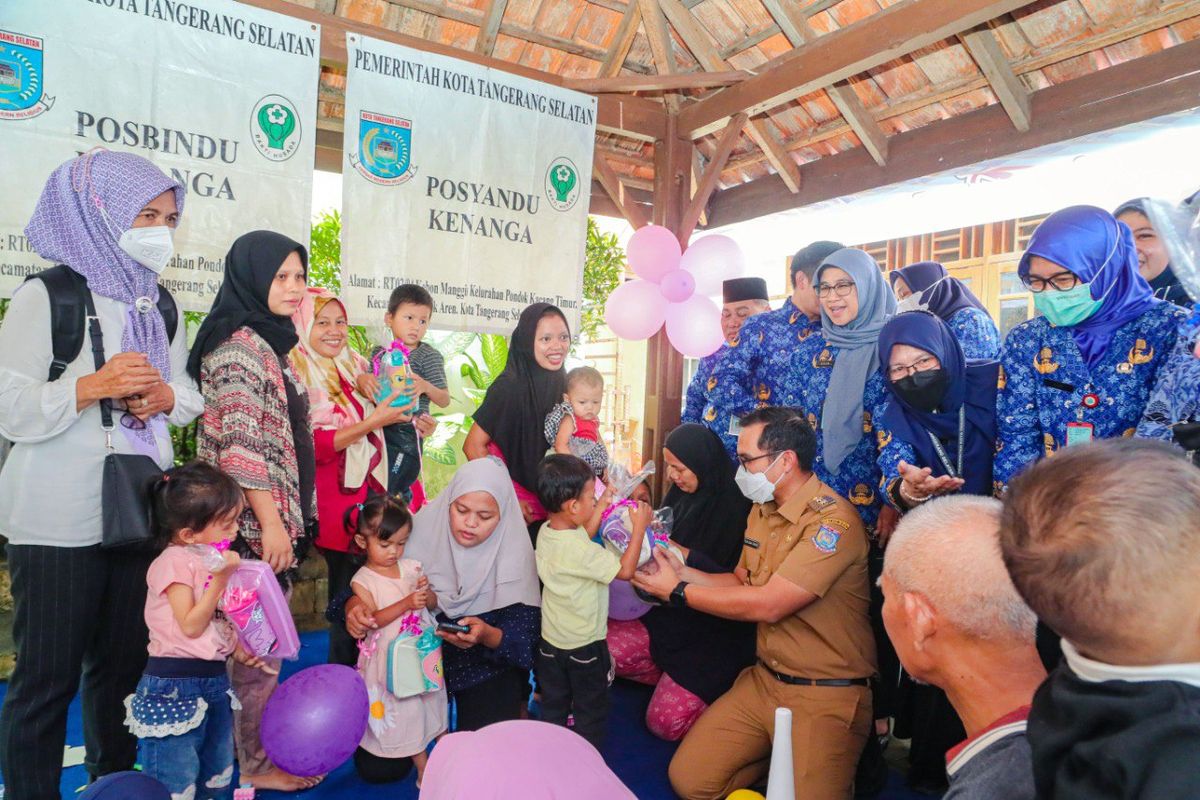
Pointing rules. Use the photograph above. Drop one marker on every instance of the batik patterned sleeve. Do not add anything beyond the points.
(976, 333)
(891, 452)
(693, 406)
(1018, 430)
(1176, 393)
(730, 387)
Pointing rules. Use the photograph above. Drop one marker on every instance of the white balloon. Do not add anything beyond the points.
(712, 261)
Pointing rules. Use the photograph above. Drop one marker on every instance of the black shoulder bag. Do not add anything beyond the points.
(128, 477)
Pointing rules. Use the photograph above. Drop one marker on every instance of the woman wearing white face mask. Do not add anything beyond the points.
(77, 607)
(926, 286)
(1082, 370)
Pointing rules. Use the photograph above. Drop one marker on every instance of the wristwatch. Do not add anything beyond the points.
(678, 598)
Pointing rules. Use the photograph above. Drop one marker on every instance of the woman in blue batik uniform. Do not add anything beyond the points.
(845, 384)
(1173, 411)
(1085, 368)
(929, 287)
(937, 433)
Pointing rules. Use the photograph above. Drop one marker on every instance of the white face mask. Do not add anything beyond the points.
(913, 301)
(151, 247)
(755, 485)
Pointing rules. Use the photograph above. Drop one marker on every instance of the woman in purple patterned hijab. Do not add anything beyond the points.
(108, 217)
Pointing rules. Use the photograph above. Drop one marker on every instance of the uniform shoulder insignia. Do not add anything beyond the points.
(822, 502)
(834, 522)
(826, 539)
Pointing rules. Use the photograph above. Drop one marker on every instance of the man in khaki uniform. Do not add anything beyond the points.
(803, 579)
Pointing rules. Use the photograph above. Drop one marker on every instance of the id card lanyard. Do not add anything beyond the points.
(1080, 432)
(943, 456)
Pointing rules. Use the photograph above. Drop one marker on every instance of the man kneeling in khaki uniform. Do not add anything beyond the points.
(803, 579)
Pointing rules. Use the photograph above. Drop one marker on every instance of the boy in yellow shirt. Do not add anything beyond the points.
(573, 664)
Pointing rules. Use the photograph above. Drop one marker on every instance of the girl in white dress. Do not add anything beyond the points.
(396, 589)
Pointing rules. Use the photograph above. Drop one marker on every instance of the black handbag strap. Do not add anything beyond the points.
(97, 339)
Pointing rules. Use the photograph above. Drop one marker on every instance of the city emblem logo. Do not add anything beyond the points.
(562, 183)
(275, 128)
(384, 149)
(22, 90)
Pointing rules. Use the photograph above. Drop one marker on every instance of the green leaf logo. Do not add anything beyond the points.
(275, 127)
(277, 122)
(563, 179)
(562, 184)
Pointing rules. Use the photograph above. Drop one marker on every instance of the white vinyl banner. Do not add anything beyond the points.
(469, 181)
(219, 95)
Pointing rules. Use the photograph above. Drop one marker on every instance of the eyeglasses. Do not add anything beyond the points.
(744, 461)
(1060, 281)
(841, 288)
(898, 371)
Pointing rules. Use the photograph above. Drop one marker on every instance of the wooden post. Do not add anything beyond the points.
(664, 364)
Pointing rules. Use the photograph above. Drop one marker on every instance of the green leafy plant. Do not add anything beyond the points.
(603, 266)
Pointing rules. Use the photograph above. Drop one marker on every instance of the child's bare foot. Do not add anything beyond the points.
(280, 781)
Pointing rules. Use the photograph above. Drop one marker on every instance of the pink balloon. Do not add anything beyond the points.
(635, 310)
(677, 285)
(713, 260)
(623, 602)
(694, 326)
(652, 252)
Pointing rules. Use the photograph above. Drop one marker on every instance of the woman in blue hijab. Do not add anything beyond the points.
(927, 286)
(1084, 368)
(937, 433)
(845, 384)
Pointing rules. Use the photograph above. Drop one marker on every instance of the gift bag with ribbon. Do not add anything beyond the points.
(414, 659)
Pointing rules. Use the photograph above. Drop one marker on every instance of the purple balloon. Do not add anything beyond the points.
(623, 602)
(126, 786)
(315, 720)
(694, 326)
(652, 252)
(677, 285)
(635, 310)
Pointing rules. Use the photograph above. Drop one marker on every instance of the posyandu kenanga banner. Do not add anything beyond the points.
(469, 181)
(218, 94)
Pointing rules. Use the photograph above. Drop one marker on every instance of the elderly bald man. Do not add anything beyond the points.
(958, 623)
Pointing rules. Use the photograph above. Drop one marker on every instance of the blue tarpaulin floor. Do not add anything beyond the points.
(640, 760)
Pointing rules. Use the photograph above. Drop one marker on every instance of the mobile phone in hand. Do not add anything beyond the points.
(453, 627)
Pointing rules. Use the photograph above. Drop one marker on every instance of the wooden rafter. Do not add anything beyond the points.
(1143, 88)
(706, 53)
(626, 33)
(485, 42)
(608, 178)
(981, 43)
(842, 54)
(661, 47)
(656, 83)
(798, 32)
(708, 180)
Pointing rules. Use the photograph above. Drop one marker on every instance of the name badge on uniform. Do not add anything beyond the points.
(1079, 433)
(735, 426)
(753, 544)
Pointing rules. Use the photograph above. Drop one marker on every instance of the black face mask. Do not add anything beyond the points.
(923, 390)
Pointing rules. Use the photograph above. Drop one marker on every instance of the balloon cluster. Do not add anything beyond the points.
(675, 289)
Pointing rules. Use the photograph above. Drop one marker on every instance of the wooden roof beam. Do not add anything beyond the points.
(708, 180)
(657, 83)
(798, 32)
(706, 53)
(485, 42)
(1165, 82)
(635, 117)
(983, 46)
(608, 178)
(626, 33)
(661, 47)
(894, 32)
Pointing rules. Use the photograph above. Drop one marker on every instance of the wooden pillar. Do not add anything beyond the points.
(664, 365)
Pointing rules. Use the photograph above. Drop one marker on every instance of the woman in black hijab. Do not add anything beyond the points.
(511, 421)
(255, 428)
(692, 658)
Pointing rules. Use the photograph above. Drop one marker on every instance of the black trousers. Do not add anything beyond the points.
(377, 769)
(77, 613)
(404, 458)
(498, 699)
(576, 682)
(343, 648)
